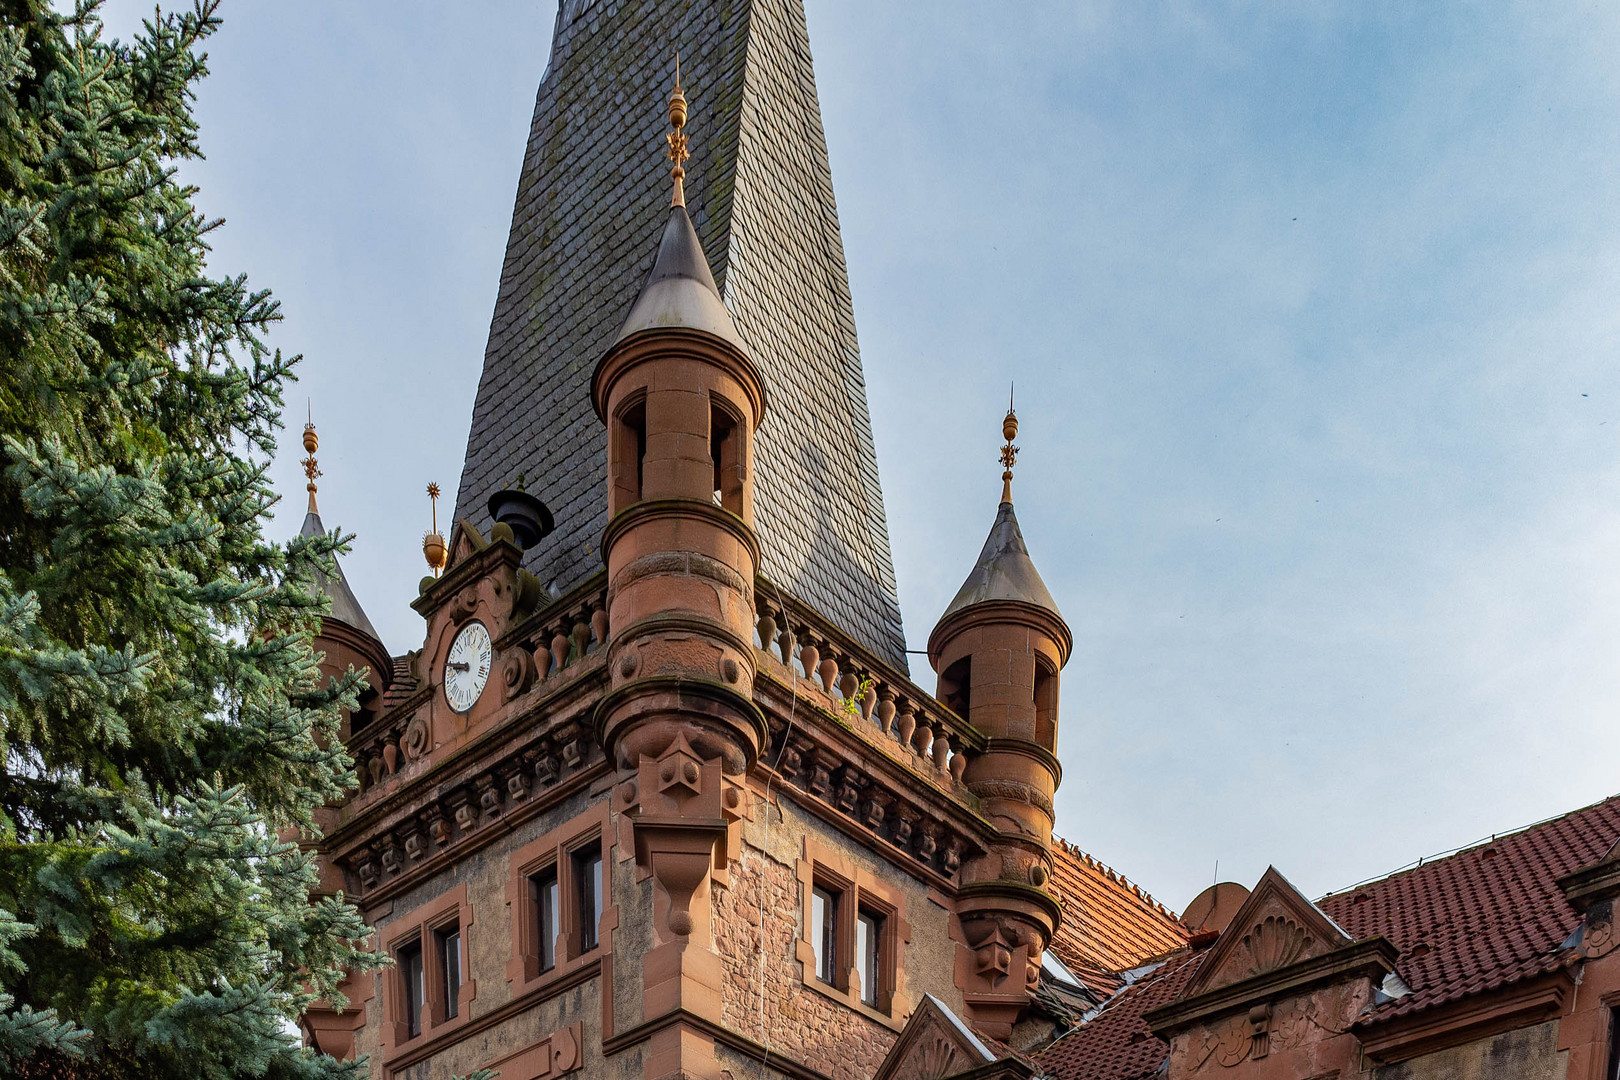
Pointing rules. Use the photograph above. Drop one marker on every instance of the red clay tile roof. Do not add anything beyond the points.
(1116, 1044)
(1109, 925)
(1484, 917)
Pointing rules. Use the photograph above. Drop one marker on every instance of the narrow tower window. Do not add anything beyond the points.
(725, 449)
(954, 685)
(629, 454)
(1046, 696)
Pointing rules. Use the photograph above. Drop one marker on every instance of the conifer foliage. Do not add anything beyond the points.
(162, 720)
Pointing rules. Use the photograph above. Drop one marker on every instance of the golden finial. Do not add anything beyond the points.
(434, 549)
(1009, 452)
(677, 137)
(311, 470)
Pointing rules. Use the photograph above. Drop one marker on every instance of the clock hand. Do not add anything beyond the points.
(457, 667)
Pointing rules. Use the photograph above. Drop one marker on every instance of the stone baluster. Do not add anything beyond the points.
(906, 723)
(924, 738)
(885, 710)
(765, 627)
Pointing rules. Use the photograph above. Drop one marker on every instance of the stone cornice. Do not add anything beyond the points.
(546, 712)
(1030, 749)
(1590, 884)
(1372, 958)
(695, 509)
(1017, 612)
(662, 342)
(1516, 1005)
(725, 1036)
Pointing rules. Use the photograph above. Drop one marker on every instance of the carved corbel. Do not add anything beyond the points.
(681, 828)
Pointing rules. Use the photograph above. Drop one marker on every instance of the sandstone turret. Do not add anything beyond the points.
(682, 401)
(998, 651)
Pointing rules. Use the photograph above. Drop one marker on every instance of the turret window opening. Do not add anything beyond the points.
(1046, 693)
(955, 683)
(1614, 1045)
(629, 453)
(726, 451)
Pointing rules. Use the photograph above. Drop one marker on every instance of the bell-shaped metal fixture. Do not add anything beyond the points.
(524, 514)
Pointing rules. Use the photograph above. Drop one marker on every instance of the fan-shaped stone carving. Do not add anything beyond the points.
(1275, 942)
(936, 1058)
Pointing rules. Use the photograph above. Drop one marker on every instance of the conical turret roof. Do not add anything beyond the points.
(345, 608)
(680, 290)
(1004, 570)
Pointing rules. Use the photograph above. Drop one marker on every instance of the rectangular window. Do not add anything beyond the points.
(544, 885)
(409, 960)
(449, 942)
(868, 954)
(824, 934)
(588, 879)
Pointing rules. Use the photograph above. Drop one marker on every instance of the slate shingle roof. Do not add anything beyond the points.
(401, 686)
(1484, 917)
(1109, 925)
(591, 201)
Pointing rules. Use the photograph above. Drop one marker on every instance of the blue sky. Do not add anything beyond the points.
(1312, 311)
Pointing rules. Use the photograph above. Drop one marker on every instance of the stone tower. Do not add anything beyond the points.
(764, 212)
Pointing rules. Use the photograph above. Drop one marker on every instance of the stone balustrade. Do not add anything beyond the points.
(862, 689)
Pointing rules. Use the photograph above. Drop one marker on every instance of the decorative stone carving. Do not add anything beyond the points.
(517, 786)
(1599, 938)
(849, 792)
(1275, 942)
(417, 738)
(489, 796)
(937, 1058)
(517, 673)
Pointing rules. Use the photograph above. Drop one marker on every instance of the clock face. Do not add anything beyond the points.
(466, 670)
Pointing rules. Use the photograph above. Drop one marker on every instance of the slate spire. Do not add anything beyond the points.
(759, 202)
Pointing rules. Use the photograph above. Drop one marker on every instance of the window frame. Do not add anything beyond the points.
(856, 891)
(424, 930)
(561, 851)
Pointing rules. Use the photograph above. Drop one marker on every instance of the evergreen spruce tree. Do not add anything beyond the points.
(163, 723)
